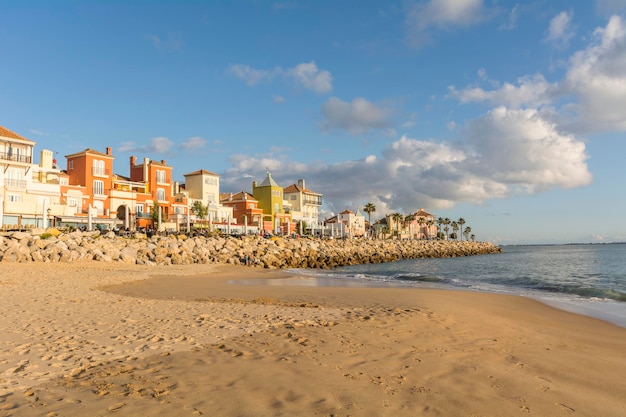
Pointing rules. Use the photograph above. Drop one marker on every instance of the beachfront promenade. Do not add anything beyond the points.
(53, 246)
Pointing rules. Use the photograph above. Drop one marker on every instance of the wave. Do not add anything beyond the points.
(417, 278)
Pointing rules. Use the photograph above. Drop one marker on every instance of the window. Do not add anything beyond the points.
(139, 208)
(160, 176)
(71, 164)
(72, 202)
(15, 198)
(98, 187)
(98, 167)
(160, 194)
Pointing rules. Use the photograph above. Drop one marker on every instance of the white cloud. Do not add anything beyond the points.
(560, 31)
(529, 91)
(193, 143)
(172, 43)
(441, 14)
(312, 78)
(522, 149)
(591, 97)
(357, 117)
(509, 151)
(307, 75)
(512, 19)
(278, 99)
(597, 79)
(250, 75)
(157, 145)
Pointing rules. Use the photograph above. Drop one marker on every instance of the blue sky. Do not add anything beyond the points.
(508, 114)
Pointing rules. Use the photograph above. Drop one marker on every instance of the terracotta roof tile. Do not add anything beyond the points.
(201, 172)
(4, 132)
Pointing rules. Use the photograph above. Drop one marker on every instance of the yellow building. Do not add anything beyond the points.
(276, 219)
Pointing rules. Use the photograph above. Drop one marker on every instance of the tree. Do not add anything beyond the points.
(461, 222)
(455, 228)
(420, 222)
(409, 219)
(397, 218)
(446, 222)
(154, 213)
(199, 209)
(467, 232)
(429, 224)
(440, 222)
(369, 209)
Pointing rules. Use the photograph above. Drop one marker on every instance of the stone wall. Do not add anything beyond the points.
(53, 246)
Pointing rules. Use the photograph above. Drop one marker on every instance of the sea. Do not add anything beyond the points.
(588, 279)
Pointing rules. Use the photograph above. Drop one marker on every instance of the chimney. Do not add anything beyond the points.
(163, 162)
(301, 183)
(108, 150)
(133, 161)
(146, 161)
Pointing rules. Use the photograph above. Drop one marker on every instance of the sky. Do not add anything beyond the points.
(509, 114)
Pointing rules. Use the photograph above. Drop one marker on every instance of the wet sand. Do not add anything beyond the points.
(99, 339)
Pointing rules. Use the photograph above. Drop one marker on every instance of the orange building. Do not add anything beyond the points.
(89, 181)
(157, 176)
(245, 208)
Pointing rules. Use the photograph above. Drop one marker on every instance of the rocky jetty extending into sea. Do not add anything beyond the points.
(53, 246)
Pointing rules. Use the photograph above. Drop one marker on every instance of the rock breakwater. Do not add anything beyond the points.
(53, 246)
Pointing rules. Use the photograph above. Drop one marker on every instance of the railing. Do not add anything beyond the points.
(317, 201)
(11, 156)
(9, 182)
(102, 172)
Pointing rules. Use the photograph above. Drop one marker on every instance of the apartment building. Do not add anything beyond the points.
(30, 195)
(245, 208)
(304, 203)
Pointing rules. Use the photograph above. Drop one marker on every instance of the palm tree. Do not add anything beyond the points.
(446, 229)
(461, 222)
(420, 222)
(446, 222)
(440, 221)
(473, 237)
(369, 209)
(467, 231)
(429, 225)
(455, 228)
(409, 219)
(397, 218)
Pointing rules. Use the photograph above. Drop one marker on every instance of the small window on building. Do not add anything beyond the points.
(161, 194)
(15, 198)
(139, 208)
(71, 164)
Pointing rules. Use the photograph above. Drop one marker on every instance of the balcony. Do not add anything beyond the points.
(10, 182)
(312, 201)
(12, 156)
(99, 172)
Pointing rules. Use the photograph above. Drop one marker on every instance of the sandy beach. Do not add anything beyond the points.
(100, 339)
